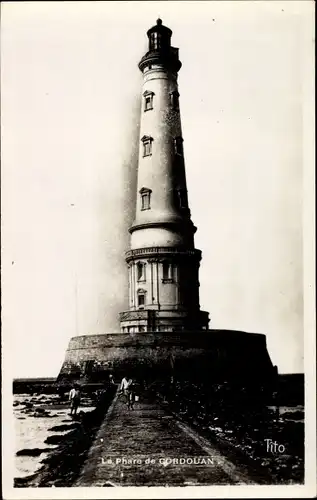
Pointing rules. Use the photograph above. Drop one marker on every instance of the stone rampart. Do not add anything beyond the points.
(221, 354)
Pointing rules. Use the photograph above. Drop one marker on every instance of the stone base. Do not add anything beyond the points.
(216, 354)
(164, 320)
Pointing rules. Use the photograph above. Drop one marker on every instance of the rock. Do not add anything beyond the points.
(62, 428)
(56, 439)
(20, 482)
(294, 415)
(32, 452)
(40, 410)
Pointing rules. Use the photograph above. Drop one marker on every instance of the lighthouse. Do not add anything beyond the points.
(163, 263)
(163, 332)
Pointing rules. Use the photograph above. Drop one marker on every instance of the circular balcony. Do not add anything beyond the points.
(162, 252)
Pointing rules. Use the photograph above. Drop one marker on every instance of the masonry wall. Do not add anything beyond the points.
(223, 354)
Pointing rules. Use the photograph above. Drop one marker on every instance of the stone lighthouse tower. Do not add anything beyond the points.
(163, 262)
(163, 332)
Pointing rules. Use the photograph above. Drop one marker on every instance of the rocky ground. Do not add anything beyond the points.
(56, 446)
(246, 431)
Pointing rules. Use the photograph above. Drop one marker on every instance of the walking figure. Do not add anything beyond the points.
(125, 388)
(131, 395)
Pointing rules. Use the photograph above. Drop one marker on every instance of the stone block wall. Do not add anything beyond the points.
(218, 354)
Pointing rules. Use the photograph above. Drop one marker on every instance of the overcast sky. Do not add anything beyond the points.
(70, 97)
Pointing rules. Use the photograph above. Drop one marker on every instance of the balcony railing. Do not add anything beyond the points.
(159, 251)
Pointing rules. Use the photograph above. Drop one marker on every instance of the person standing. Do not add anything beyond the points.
(131, 395)
(74, 398)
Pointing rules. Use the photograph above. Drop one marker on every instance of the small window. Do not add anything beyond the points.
(141, 271)
(167, 272)
(174, 99)
(141, 300)
(147, 145)
(155, 41)
(148, 103)
(178, 143)
(145, 201)
(145, 198)
(182, 197)
(148, 100)
(147, 148)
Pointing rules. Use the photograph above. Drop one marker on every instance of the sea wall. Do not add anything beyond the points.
(222, 354)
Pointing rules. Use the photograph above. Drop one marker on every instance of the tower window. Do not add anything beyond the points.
(148, 104)
(141, 299)
(155, 41)
(147, 145)
(174, 100)
(178, 144)
(147, 148)
(182, 197)
(145, 198)
(141, 271)
(148, 100)
(167, 272)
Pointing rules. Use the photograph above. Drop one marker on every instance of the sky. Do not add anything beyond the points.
(70, 113)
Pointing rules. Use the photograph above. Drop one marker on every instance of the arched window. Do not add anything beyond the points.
(167, 272)
(141, 266)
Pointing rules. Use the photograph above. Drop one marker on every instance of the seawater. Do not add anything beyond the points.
(31, 431)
